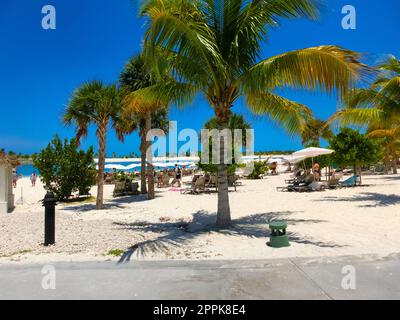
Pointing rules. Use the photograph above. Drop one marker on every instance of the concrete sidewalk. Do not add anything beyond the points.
(270, 279)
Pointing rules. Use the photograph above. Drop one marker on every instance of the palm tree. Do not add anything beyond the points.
(236, 122)
(135, 76)
(377, 108)
(214, 47)
(313, 131)
(96, 103)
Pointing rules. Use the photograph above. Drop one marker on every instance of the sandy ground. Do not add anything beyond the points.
(362, 220)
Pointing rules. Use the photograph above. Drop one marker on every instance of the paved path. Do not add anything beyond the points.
(269, 279)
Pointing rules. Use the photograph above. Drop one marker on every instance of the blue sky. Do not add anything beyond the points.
(39, 69)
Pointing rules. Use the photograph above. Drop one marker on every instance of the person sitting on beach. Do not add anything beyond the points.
(273, 167)
(317, 172)
(33, 179)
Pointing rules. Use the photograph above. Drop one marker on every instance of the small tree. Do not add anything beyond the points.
(259, 170)
(64, 169)
(354, 149)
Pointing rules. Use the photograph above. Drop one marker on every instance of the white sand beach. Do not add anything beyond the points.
(361, 220)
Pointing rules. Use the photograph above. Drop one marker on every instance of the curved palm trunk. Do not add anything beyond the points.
(150, 168)
(102, 137)
(143, 182)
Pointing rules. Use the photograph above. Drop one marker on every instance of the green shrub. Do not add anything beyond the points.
(354, 149)
(115, 253)
(64, 169)
(259, 170)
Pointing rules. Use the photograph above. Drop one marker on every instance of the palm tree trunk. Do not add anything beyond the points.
(102, 136)
(224, 211)
(150, 168)
(394, 162)
(143, 144)
(386, 162)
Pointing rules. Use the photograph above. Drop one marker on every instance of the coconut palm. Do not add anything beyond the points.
(313, 131)
(151, 115)
(377, 108)
(99, 104)
(214, 47)
(236, 122)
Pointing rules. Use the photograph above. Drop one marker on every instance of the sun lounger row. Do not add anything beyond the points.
(308, 184)
(208, 183)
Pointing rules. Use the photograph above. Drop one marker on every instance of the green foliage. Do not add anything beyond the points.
(354, 149)
(213, 168)
(236, 122)
(259, 170)
(313, 131)
(64, 169)
(115, 252)
(122, 176)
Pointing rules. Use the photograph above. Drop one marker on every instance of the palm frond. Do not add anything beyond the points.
(326, 68)
(289, 114)
(179, 26)
(156, 96)
(357, 116)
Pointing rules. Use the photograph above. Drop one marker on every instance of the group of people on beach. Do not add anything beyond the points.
(15, 178)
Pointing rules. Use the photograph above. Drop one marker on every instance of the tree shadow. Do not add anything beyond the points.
(180, 232)
(379, 199)
(394, 177)
(118, 202)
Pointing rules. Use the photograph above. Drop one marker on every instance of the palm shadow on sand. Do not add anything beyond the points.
(175, 234)
(378, 199)
(120, 203)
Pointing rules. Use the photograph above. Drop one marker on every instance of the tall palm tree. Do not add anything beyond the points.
(313, 131)
(99, 104)
(214, 47)
(151, 115)
(377, 108)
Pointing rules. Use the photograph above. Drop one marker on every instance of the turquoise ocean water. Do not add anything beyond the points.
(27, 169)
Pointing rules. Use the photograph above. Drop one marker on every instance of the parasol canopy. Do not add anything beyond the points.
(312, 152)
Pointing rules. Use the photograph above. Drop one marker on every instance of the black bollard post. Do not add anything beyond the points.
(49, 203)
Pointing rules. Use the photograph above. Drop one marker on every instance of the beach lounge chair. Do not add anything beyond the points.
(233, 181)
(351, 182)
(309, 184)
(348, 183)
(125, 188)
(198, 185)
(213, 182)
(165, 180)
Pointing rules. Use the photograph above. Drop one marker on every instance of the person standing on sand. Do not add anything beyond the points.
(178, 176)
(33, 179)
(14, 178)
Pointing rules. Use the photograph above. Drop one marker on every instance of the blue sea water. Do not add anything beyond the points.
(27, 169)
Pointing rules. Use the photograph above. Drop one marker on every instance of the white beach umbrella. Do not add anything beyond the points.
(115, 166)
(294, 159)
(312, 152)
(278, 160)
(161, 164)
(133, 166)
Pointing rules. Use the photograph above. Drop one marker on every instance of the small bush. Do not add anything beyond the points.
(258, 171)
(115, 252)
(64, 169)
